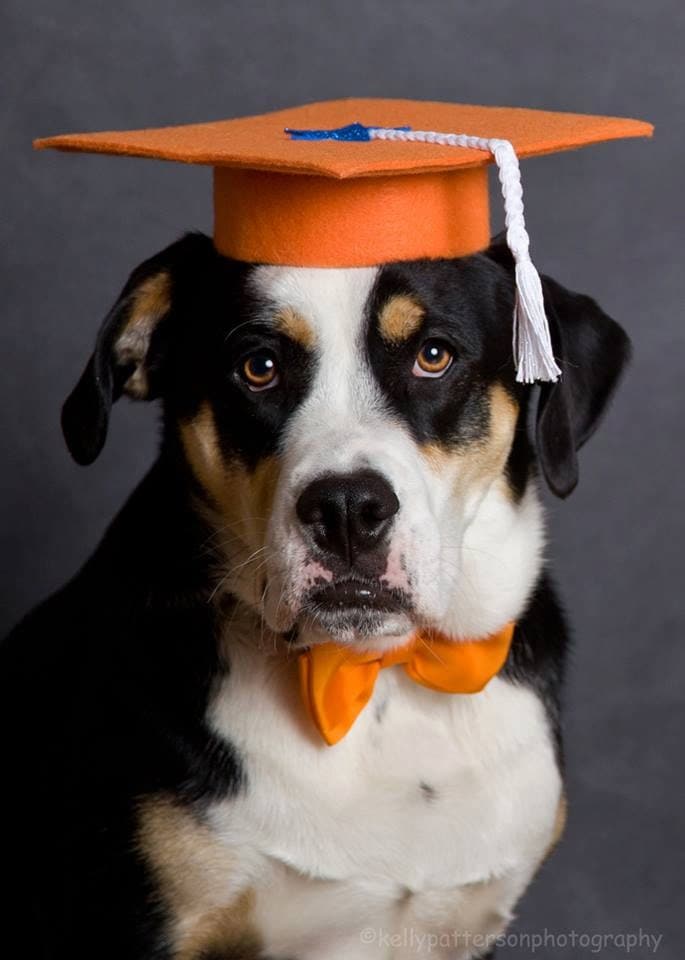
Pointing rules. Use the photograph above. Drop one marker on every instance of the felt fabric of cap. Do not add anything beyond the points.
(352, 183)
(331, 203)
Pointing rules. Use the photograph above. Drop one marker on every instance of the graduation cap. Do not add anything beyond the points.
(360, 182)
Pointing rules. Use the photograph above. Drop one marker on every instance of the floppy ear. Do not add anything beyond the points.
(129, 351)
(592, 351)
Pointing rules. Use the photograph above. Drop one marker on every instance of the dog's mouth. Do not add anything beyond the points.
(357, 607)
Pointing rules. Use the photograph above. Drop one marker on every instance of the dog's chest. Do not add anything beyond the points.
(427, 791)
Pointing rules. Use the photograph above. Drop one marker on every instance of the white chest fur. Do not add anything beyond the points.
(428, 797)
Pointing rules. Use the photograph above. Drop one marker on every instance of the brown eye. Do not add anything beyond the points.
(433, 359)
(260, 371)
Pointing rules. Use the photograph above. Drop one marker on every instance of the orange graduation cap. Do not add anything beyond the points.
(349, 183)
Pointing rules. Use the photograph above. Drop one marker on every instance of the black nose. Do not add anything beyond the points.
(348, 514)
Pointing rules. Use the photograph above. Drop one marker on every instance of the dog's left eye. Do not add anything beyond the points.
(260, 371)
(433, 359)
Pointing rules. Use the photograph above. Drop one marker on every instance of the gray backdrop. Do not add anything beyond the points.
(606, 220)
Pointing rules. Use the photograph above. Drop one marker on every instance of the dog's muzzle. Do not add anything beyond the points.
(347, 521)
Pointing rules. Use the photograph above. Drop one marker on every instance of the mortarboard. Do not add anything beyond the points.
(360, 182)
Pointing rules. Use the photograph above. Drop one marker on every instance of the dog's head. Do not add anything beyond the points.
(355, 436)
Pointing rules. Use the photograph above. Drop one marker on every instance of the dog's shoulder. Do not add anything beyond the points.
(539, 651)
(103, 690)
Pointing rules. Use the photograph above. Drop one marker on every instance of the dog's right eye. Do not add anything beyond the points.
(260, 371)
(434, 359)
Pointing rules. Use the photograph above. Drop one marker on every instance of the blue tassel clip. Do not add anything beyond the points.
(352, 133)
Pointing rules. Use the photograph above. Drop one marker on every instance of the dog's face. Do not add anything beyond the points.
(388, 436)
(355, 437)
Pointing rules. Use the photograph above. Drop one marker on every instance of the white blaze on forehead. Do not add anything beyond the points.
(343, 423)
(333, 303)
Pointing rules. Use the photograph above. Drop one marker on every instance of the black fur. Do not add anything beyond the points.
(102, 693)
(194, 356)
(103, 688)
(539, 651)
(592, 351)
(468, 304)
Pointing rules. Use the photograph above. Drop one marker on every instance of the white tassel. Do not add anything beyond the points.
(533, 354)
(532, 342)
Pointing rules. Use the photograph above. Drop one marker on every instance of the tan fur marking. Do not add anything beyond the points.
(399, 318)
(238, 493)
(152, 298)
(201, 445)
(293, 325)
(559, 823)
(150, 301)
(193, 870)
(241, 498)
(478, 464)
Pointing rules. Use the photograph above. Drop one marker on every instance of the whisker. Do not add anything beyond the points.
(233, 570)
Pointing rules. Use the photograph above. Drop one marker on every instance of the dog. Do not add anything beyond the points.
(345, 457)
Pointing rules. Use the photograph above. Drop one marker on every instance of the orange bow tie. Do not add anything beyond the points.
(338, 682)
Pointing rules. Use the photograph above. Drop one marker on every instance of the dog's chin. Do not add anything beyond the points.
(359, 614)
(365, 630)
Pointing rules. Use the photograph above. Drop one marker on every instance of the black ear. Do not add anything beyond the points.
(129, 355)
(592, 351)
